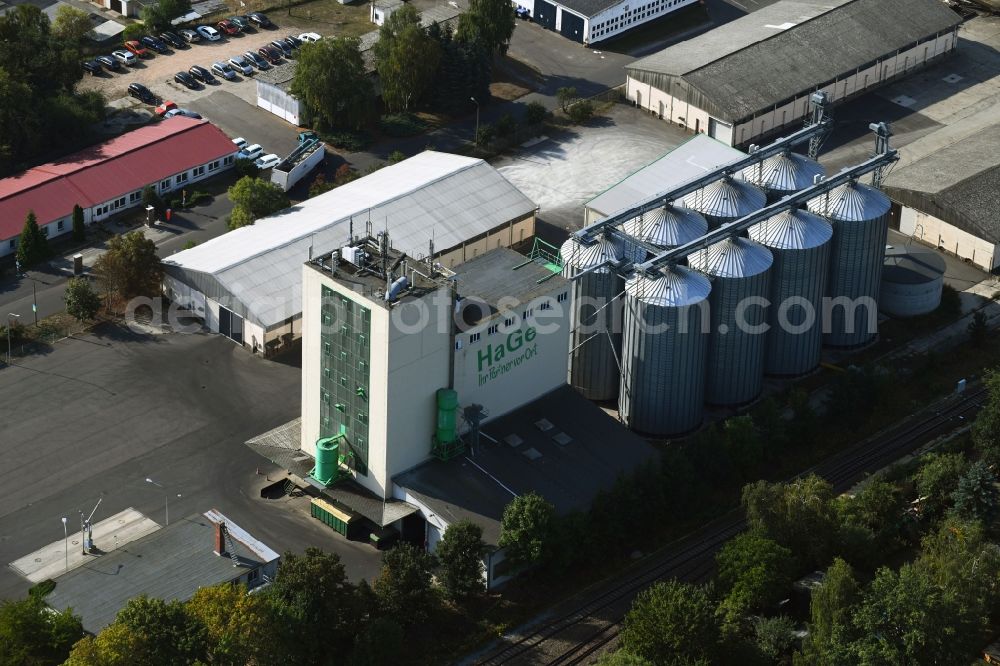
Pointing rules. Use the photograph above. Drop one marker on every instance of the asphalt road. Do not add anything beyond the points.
(98, 415)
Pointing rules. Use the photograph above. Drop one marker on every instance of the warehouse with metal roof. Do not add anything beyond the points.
(246, 284)
(947, 189)
(752, 77)
(591, 21)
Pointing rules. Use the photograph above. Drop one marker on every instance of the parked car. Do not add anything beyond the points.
(173, 39)
(240, 142)
(182, 112)
(185, 79)
(110, 62)
(282, 47)
(522, 12)
(271, 54)
(133, 46)
(209, 33)
(151, 42)
(241, 22)
(240, 64)
(126, 58)
(251, 152)
(163, 108)
(142, 93)
(260, 20)
(257, 60)
(267, 161)
(224, 70)
(309, 37)
(202, 74)
(228, 27)
(293, 41)
(92, 67)
(190, 36)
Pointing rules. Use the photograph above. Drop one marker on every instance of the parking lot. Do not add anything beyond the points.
(98, 415)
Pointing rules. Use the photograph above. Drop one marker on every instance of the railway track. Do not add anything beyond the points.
(595, 623)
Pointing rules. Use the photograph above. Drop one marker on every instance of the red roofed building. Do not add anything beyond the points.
(109, 177)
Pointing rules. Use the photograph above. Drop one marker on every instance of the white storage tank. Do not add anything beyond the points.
(783, 174)
(912, 280)
(667, 226)
(664, 351)
(596, 316)
(725, 200)
(740, 271)
(800, 244)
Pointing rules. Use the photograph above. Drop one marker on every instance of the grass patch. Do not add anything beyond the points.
(351, 142)
(328, 17)
(401, 125)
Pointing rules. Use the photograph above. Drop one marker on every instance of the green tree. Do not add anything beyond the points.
(830, 608)
(330, 79)
(960, 558)
(798, 515)
(380, 644)
(129, 268)
(581, 111)
(71, 24)
(150, 197)
(116, 645)
(566, 96)
(526, 529)
(856, 394)
(236, 624)
(464, 71)
(254, 198)
(489, 23)
(672, 623)
(622, 658)
(976, 497)
(937, 480)
(754, 574)
(157, 16)
(170, 635)
(870, 522)
(82, 300)
(403, 586)
(534, 113)
(460, 553)
(34, 635)
(979, 329)
(406, 59)
(986, 428)
(774, 636)
(79, 230)
(32, 245)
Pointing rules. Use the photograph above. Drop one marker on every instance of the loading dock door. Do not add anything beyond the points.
(545, 14)
(231, 325)
(572, 27)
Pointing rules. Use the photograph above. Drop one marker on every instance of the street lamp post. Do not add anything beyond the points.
(9, 315)
(166, 501)
(476, 102)
(66, 541)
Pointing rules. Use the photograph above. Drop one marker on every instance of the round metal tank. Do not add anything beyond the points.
(912, 279)
(326, 459)
(860, 218)
(667, 226)
(783, 174)
(800, 244)
(725, 200)
(593, 368)
(664, 351)
(740, 272)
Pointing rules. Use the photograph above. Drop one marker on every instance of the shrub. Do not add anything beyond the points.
(535, 113)
(133, 31)
(485, 135)
(506, 125)
(402, 124)
(344, 174)
(581, 112)
(246, 168)
(395, 157)
(352, 142)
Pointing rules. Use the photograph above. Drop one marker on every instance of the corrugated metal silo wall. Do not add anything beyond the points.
(857, 254)
(735, 371)
(663, 378)
(796, 274)
(593, 369)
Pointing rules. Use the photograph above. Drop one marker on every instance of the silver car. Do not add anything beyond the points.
(240, 64)
(224, 70)
(189, 36)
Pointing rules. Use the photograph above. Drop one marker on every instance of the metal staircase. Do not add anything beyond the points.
(230, 545)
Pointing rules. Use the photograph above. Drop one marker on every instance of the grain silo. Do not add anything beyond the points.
(912, 281)
(667, 226)
(595, 338)
(725, 200)
(860, 218)
(664, 351)
(740, 271)
(783, 174)
(800, 244)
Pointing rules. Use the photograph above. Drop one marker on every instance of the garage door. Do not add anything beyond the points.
(571, 27)
(116, 6)
(720, 130)
(231, 325)
(545, 14)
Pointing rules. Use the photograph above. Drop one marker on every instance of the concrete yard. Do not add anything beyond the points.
(99, 414)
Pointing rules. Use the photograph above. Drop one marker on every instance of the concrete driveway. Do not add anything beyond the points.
(236, 117)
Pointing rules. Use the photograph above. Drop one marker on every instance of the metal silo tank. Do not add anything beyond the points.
(783, 174)
(740, 271)
(800, 244)
(664, 351)
(595, 336)
(860, 218)
(667, 226)
(725, 200)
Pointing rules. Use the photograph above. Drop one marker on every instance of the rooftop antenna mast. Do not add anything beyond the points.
(820, 110)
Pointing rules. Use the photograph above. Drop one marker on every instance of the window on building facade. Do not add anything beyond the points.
(474, 338)
(492, 330)
(562, 297)
(59, 225)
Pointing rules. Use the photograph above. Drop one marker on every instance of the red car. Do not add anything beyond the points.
(135, 47)
(163, 108)
(228, 27)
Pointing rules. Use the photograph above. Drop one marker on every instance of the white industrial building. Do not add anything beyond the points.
(246, 284)
(946, 189)
(590, 21)
(752, 77)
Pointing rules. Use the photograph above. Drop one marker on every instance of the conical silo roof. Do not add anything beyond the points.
(669, 287)
(793, 229)
(667, 226)
(605, 248)
(850, 202)
(733, 257)
(784, 172)
(726, 197)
